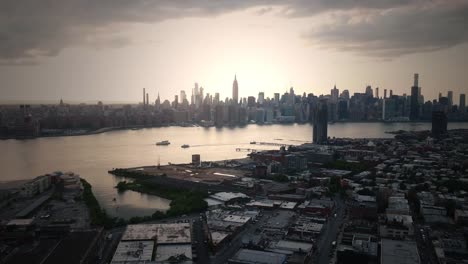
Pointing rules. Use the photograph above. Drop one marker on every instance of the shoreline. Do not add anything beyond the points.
(110, 129)
(183, 200)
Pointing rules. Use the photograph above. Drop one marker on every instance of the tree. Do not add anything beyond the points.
(402, 186)
(280, 178)
(366, 191)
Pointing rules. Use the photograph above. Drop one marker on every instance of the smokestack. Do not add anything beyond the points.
(144, 93)
(147, 99)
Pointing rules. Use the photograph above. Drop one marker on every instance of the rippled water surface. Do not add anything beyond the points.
(92, 156)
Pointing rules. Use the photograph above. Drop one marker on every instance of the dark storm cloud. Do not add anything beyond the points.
(397, 31)
(30, 29)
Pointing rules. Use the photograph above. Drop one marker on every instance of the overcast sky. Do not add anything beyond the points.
(108, 50)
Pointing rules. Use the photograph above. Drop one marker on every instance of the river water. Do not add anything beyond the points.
(92, 156)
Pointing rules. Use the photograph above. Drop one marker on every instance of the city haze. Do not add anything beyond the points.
(109, 51)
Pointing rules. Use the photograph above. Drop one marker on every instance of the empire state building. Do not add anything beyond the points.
(235, 91)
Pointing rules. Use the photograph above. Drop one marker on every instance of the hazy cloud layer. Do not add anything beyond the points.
(30, 29)
(396, 31)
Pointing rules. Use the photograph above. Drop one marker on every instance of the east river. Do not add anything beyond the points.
(91, 156)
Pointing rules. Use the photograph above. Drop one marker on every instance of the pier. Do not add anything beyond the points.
(246, 149)
(270, 144)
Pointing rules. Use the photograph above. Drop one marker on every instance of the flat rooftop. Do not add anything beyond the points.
(262, 203)
(163, 233)
(217, 236)
(258, 257)
(20, 222)
(294, 246)
(132, 251)
(288, 205)
(226, 196)
(237, 218)
(399, 252)
(280, 220)
(166, 252)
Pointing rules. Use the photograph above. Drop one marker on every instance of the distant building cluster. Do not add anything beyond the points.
(406, 204)
(45, 220)
(210, 110)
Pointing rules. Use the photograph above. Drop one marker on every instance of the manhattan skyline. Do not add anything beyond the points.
(109, 51)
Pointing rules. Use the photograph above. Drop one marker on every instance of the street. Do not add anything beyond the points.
(229, 250)
(200, 248)
(329, 234)
(426, 249)
(109, 246)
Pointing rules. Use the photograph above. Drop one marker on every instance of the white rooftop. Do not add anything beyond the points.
(217, 236)
(20, 222)
(236, 219)
(162, 233)
(164, 252)
(407, 219)
(213, 202)
(132, 251)
(288, 205)
(226, 196)
(263, 203)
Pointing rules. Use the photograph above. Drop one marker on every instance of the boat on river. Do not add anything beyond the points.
(163, 143)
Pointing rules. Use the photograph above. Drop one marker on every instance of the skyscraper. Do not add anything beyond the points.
(385, 93)
(158, 102)
(443, 104)
(462, 105)
(345, 94)
(277, 98)
(369, 91)
(235, 91)
(292, 96)
(144, 96)
(414, 105)
(250, 101)
(219, 115)
(196, 89)
(377, 92)
(183, 96)
(175, 104)
(439, 122)
(450, 98)
(334, 94)
(320, 122)
(261, 98)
